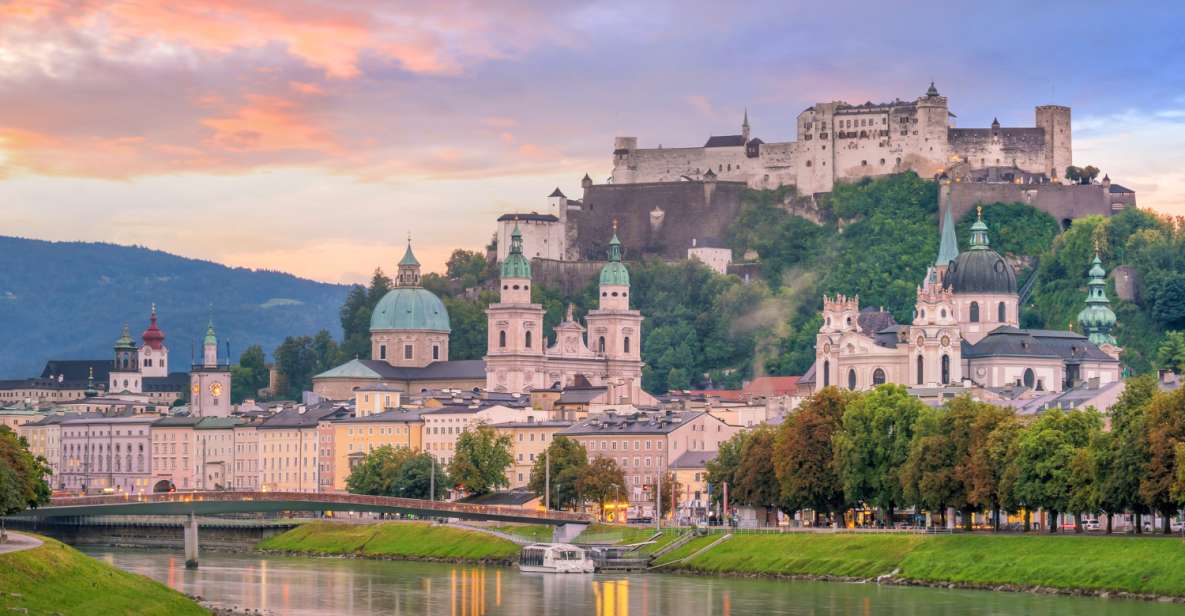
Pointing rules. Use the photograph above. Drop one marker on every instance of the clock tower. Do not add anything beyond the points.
(209, 381)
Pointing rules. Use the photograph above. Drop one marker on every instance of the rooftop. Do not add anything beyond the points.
(640, 422)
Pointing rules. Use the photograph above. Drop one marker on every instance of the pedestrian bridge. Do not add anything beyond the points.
(212, 503)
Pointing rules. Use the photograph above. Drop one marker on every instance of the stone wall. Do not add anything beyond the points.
(656, 218)
(1062, 201)
(569, 276)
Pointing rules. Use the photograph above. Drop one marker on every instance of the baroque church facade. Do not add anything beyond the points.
(965, 332)
(604, 352)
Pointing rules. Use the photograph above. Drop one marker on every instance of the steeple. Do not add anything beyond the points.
(979, 237)
(614, 274)
(90, 392)
(745, 126)
(948, 246)
(1097, 319)
(125, 340)
(210, 345)
(516, 265)
(409, 268)
(153, 337)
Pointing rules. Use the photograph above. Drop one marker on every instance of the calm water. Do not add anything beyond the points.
(302, 586)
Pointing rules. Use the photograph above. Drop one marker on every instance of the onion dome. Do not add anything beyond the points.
(153, 337)
(980, 269)
(516, 265)
(125, 341)
(614, 272)
(409, 306)
(1097, 319)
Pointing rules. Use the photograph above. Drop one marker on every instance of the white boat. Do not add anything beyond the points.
(554, 558)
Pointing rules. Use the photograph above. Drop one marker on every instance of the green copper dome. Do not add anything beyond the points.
(1097, 319)
(210, 337)
(614, 272)
(125, 340)
(410, 308)
(516, 265)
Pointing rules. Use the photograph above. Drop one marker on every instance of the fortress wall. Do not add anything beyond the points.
(569, 276)
(1062, 201)
(653, 218)
(985, 147)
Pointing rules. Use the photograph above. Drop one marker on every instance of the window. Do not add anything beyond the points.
(527, 339)
(1001, 313)
(407, 351)
(945, 369)
(1030, 378)
(851, 379)
(382, 351)
(601, 345)
(826, 373)
(502, 339)
(878, 377)
(974, 312)
(435, 352)
(921, 370)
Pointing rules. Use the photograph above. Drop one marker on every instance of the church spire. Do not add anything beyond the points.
(516, 265)
(409, 268)
(745, 126)
(979, 236)
(1097, 319)
(948, 246)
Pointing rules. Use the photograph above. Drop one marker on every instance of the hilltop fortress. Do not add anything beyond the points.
(841, 141)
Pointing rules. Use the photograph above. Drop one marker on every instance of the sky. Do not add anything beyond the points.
(313, 136)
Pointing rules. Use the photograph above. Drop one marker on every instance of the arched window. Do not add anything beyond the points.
(1001, 313)
(627, 344)
(878, 377)
(435, 351)
(974, 312)
(1030, 378)
(502, 338)
(601, 345)
(945, 369)
(528, 339)
(826, 374)
(921, 370)
(851, 378)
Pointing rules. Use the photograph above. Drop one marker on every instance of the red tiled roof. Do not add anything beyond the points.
(771, 385)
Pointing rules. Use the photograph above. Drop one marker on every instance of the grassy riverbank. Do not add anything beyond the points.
(407, 540)
(55, 578)
(1150, 566)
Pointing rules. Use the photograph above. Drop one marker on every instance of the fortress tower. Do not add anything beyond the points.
(1055, 120)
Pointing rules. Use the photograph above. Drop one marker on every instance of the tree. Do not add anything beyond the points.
(23, 482)
(1122, 453)
(756, 481)
(671, 488)
(983, 463)
(481, 458)
(928, 476)
(804, 457)
(250, 375)
(874, 444)
(723, 468)
(568, 462)
(601, 480)
(1170, 355)
(1165, 429)
(297, 360)
(1045, 451)
(1082, 175)
(397, 471)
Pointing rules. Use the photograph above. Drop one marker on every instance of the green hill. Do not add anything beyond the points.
(70, 299)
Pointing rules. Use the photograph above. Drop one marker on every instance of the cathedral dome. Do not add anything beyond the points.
(614, 273)
(410, 308)
(980, 269)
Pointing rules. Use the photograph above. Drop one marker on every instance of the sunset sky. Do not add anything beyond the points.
(313, 136)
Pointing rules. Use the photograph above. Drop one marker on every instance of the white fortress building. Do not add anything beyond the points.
(842, 141)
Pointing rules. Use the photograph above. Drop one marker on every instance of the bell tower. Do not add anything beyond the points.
(209, 381)
(125, 369)
(515, 346)
(615, 331)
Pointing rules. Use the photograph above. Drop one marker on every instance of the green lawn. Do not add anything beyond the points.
(540, 533)
(393, 539)
(58, 578)
(687, 549)
(1129, 564)
(615, 534)
(667, 537)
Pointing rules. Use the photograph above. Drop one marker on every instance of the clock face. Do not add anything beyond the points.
(216, 389)
(197, 389)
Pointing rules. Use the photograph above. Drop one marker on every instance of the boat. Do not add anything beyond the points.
(554, 558)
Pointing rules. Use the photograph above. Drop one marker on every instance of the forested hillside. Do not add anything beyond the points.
(70, 299)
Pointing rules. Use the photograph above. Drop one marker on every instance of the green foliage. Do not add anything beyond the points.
(723, 468)
(804, 453)
(22, 476)
(480, 462)
(250, 375)
(1045, 452)
(874, 445)
(755, 482)
(1170, 355)
(406, 540)
(391, 471)
(1013, 228)
(569, 461)
(602, 481)
(1082, 175)
(300, 358)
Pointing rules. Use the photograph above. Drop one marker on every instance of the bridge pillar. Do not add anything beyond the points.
(565, 533)
(191, 542)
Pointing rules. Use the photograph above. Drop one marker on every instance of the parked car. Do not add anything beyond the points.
(1091, 525)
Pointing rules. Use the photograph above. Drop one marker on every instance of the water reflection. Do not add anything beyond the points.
(300, 586)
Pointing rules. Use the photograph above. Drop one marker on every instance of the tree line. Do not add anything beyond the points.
(884, 451)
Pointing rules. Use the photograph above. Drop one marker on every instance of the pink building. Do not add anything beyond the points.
(174, 454)
(111, 454)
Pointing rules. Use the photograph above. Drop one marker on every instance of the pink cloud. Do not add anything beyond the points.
(268, 123)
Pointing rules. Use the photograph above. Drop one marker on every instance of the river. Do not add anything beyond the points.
(310, 586)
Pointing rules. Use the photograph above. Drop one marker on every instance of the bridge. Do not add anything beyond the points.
(192, 504)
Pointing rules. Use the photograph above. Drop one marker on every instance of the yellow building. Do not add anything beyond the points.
(691, 473)
(355, 437)
(289, 447)
(529, 440)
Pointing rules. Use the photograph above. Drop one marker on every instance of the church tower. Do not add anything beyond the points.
(209, 381)
(154, 355)
(745, 127)
(125, 371)
(935, 340)
(515, 346)
(615, 331)
(1097, 319)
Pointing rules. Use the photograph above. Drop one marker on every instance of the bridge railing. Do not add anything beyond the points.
(443, 507)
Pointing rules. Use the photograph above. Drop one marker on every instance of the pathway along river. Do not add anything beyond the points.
(307, 586)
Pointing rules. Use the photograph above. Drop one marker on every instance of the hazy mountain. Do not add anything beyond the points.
(70, 300)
